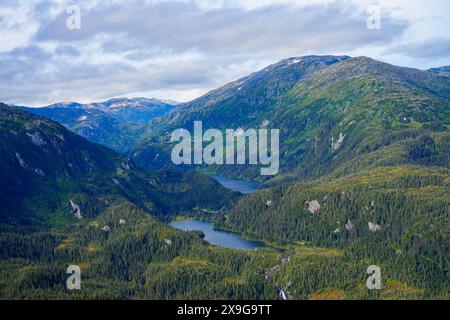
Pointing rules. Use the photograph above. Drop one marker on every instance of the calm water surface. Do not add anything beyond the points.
(216, 237)
(242, 186)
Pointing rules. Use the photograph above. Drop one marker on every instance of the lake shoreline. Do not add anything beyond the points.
(217, 236)
(238, 185)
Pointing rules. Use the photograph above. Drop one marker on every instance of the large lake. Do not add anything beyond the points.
(217, 237)
(242, 186)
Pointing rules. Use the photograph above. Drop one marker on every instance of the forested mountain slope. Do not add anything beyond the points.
(116, 123)
(49, 175)
(125, 253)
(334, 114)
(394, 217)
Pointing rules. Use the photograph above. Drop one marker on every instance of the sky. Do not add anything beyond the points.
(181, 49)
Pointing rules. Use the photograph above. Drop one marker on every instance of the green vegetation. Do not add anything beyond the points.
(142, 258)
(334, 114)
(44, 167)
(365, 180)
(408, 208)
(145, 259)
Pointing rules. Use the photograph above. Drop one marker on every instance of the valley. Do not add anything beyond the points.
(364, 180)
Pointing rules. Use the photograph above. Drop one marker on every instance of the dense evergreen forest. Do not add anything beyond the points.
(396, 218)
(143, 258)
(364, 180)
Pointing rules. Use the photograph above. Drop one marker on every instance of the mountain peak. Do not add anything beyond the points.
(442, 71)
(287, 72)
(311, 58)
(304, 61)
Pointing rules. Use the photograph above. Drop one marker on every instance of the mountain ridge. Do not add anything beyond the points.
(364, 181)
(117, 123)
(309, 101)
(44, 167)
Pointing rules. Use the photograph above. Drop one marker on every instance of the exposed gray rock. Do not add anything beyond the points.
(125, 166)
(76, 211)
(314, 206)
(36, 138)
(21, 161)
(349, 225)
(39, 172)
(337, 144)
(374, 227)
(117, 183)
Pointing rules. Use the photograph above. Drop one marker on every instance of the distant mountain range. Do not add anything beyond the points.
(116, 123)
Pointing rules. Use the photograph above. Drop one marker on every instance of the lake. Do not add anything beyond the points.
(242, 186)
(217, 237)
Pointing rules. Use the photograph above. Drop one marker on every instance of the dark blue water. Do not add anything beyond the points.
(216, 237)
(242, 186)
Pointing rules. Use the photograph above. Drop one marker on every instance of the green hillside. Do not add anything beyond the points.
(142, 258)
(139, 259)
(364, 180)
(395, 217)
(334, 114)
(116, 123)
(48, 174)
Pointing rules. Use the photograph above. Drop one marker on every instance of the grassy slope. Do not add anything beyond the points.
(384, 116)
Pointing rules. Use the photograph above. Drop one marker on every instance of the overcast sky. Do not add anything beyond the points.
(181, 49)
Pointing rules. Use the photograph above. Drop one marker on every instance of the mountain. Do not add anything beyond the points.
(51, 176)
(242, 103)
(67, 201)
(335, 115)
(365, 171)
(364, 182)
(136, 110)
(116, 123)
(443, 71)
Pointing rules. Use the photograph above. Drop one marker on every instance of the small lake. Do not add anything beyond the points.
(217, 237)
(242, 186)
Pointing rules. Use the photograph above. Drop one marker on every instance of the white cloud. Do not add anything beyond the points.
(180, 49)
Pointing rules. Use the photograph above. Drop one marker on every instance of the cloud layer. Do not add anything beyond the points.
(174, 49)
